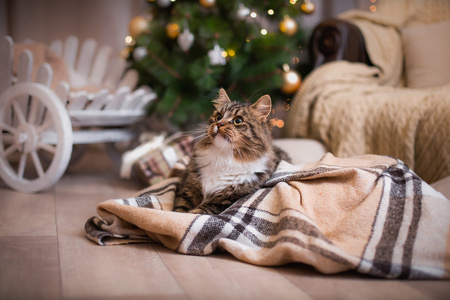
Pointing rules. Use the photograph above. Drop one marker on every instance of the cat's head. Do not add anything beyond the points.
(243, 127)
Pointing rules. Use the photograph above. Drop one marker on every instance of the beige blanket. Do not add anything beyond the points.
(355, 109)
(370, 214)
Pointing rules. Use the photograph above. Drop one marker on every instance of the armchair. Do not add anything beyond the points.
(360, 97)
(336, 39)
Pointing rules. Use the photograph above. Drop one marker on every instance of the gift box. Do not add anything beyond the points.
(153, 160)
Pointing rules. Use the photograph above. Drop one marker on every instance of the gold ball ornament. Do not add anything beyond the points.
(288, 26)
(308, 7)
(137, 26)
(207, 3)
(291, 82)
(172, 30)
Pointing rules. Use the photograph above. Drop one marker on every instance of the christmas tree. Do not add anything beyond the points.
(187, 49)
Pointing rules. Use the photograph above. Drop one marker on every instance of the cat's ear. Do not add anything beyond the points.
(221, 100)
(263, 107)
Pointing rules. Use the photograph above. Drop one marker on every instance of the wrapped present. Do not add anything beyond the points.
(153, 160)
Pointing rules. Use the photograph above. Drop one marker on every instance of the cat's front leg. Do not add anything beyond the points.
(181, 209)
(205, 210)
(211, 208)
(182, 205)
(188, 199)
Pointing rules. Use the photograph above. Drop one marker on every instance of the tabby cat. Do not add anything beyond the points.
(234, 157)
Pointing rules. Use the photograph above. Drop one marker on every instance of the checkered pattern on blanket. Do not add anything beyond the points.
(371, 214)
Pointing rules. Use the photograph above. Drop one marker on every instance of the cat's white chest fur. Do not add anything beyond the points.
(219, 169)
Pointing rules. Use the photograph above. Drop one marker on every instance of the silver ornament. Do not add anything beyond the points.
(139, 53)
(163, 3)
(243, 11)
(215, 56)
(185, 40)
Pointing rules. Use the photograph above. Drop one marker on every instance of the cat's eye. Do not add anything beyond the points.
(238, 121)
(219, 117)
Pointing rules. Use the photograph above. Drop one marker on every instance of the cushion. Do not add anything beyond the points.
(427, 54)
(301, 150)
(443, 186)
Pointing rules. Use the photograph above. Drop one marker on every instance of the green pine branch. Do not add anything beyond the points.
(186, 82)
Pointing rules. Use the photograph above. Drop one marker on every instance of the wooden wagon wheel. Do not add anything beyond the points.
(33, 121)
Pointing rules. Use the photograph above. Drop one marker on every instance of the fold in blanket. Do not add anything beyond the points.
(371, 214)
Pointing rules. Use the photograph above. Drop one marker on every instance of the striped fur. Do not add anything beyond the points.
(233, 158)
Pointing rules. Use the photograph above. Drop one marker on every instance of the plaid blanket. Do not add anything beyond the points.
(370, 213)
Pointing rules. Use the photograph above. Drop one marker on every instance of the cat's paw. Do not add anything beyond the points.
(180, 209)
(198, 211)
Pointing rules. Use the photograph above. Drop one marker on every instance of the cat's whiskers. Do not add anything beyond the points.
(199, 128)
(248, 146)
(237, 142)
(200, 133)
(241, 140)
(227, 142)
(238, 150)
(200, 139)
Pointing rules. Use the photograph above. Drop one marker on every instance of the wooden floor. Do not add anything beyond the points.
(44, 254)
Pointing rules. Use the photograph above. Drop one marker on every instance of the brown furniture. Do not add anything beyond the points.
(335, 39)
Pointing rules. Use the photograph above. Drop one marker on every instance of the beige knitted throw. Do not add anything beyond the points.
(355, 109)
(370, 214)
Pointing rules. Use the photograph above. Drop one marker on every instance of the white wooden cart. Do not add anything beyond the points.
(39, 125)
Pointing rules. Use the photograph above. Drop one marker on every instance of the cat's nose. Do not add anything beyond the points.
(219, 124)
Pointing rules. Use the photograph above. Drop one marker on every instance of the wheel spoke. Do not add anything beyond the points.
(37, 164)
(33, 111)
(47, 147)
(6, 127)
(46, 125)
(10, 150)
(22, 163)
(7, 139)
(18, 111)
